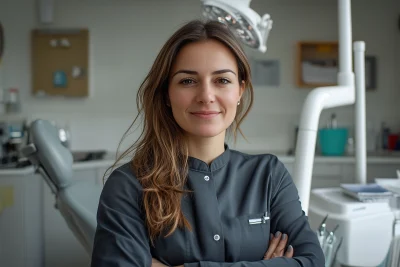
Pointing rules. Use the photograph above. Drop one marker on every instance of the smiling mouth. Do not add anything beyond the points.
(205, 115)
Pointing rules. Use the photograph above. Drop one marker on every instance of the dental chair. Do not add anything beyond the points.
(77, 201)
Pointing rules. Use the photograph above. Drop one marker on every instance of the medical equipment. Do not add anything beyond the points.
(76, 201)
(322, 233)
(328, 242)
(370, 231)
(248, 26)
(366, 227)
(329, 246)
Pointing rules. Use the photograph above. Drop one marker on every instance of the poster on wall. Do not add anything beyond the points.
(265, 72)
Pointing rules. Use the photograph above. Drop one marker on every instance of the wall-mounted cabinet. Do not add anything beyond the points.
(317, 64)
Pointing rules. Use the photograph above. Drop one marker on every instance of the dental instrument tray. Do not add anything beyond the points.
(366, 227)
(366, 192)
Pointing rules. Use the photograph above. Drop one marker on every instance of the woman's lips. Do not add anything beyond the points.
(205, 114)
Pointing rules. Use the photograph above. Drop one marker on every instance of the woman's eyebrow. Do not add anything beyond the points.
(192, 72)
(223, 71)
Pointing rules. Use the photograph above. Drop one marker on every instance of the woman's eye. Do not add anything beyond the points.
(187, 81)
(223, 81)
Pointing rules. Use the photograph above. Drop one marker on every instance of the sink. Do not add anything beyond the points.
(82, 156)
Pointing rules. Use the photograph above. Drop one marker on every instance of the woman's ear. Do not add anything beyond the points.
(242, 88)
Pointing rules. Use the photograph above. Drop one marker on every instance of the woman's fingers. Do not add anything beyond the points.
(289, 252)
(280, 249)
(273, 243)
(277, 247)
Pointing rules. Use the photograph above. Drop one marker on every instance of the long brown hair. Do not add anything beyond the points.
(160, 155)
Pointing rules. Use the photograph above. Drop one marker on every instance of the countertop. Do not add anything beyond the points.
(384, 157)
(108, 160)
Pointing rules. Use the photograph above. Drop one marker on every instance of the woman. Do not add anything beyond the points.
(186, 199)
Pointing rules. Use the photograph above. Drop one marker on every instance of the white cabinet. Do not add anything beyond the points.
(374, 170)
(324, 174)
(329, 174)
(381, 170)
(21, 235)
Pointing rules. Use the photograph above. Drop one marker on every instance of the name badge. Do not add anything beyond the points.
(263, 219)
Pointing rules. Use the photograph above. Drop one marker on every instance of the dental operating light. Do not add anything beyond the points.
(245, 23)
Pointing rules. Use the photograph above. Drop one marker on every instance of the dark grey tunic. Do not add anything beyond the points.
(227, 212)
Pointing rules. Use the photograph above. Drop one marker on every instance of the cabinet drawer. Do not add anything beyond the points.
(381, 171)
(324, 182)
(82, 175)
(327, 169)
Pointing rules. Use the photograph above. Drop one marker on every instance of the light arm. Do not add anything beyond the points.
(320, 99)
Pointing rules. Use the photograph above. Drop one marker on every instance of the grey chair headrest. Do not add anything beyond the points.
(55, 159)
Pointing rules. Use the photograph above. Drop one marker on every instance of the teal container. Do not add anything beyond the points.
(332, 142)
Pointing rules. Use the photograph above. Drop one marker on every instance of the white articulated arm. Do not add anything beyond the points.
(316, 101)
(320, 99)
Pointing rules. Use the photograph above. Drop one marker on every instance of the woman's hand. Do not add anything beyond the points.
(277, 245)
(156, 263)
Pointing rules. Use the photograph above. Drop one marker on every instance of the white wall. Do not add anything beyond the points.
(127, 34)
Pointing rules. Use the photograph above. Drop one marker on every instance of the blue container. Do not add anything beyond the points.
(332, 142)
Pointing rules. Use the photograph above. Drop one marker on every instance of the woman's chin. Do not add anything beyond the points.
(207, 132)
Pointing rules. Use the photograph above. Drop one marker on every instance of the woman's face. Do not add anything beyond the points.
(204, 88)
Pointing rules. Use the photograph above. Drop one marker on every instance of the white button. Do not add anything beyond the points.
(216, 237)
(206, 178)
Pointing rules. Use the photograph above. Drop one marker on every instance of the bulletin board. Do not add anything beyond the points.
(60, 62)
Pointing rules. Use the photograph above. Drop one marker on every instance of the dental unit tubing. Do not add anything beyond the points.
(323, 98)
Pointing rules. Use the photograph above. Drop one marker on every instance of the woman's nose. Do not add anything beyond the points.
(206, 94)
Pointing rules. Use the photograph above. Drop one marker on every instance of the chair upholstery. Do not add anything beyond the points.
(53, 156)
(77, 201)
